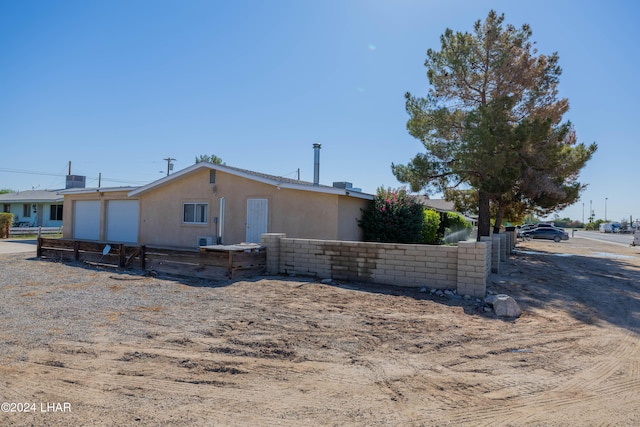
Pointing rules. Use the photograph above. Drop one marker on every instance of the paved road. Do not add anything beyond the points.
(15, 246)
(621, 239)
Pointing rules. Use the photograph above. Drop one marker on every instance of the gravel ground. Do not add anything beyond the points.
(68, 301)
(127, 349)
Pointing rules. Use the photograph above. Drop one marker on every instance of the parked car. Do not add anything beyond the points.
(547, 225)
(521, 229)
(549, 233)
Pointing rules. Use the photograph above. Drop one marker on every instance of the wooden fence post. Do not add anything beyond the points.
(230, 265)
(143, 256)
(123, 253)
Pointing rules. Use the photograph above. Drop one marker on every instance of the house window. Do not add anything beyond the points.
(26, 210)
(56, 213)
(7, 208)
(195, 213)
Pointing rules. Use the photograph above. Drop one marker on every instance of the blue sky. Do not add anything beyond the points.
(117, 86)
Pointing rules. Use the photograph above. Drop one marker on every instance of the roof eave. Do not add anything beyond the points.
(253, 177)
(95, 190)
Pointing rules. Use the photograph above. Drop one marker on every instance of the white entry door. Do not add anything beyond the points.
(86, 220)
(257, 219)
(122, 220)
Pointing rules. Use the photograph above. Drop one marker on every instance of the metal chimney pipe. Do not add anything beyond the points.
(316, 164)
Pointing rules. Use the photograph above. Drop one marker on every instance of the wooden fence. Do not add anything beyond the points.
(219, 264)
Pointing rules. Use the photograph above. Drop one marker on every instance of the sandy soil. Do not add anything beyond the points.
(290, 351)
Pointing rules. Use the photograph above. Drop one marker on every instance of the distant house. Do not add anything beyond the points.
(208, 204)
(443, 206)
(34, 208)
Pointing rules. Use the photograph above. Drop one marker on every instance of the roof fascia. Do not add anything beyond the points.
(162, 181)
(95, 190)
(257, 178)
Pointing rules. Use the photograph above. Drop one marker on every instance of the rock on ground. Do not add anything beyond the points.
(504, 305)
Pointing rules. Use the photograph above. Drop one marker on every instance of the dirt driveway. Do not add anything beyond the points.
(86, 346)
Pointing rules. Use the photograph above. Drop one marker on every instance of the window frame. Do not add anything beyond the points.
(55, 212)
(195, 214)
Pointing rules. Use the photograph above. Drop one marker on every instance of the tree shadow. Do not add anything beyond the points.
(596, 288)
(450, 299)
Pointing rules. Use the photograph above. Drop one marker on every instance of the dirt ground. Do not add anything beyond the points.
(123, 350)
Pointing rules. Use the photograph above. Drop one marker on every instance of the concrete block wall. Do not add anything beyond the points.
(443, 267)
(504, 248)
(512, 237)
(488, 260)
(272, 242)
(509, 242)
(473, 266)
(494, 241)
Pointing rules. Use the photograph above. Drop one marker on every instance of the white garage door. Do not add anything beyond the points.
(122, 220)
(86, 220)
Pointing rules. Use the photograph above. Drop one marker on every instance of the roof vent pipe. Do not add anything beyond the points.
(316, 164)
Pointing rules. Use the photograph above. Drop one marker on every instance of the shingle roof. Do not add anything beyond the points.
(281, 179)
(440, 205)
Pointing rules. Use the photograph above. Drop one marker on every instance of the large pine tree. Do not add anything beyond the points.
(492, 121)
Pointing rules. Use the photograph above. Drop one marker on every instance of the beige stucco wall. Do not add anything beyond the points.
(350, 211)
(103, 197)
(298, 213)
(161, 211)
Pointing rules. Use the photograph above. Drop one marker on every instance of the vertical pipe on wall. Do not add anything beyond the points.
(316, 164)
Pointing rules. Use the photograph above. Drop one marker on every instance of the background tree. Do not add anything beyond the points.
(567, 223)
(492, 121)
(209, 159)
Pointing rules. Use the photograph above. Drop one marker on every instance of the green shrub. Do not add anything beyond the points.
(430, 227)
(394, 216)
(6, 221)
(456, 228)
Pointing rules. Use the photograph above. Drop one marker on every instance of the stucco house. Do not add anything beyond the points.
(208, 203)
(34, 208)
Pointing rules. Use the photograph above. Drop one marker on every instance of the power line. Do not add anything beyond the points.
(29, 172)
(21, 171)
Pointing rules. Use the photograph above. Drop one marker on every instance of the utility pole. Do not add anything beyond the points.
(169, 164)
